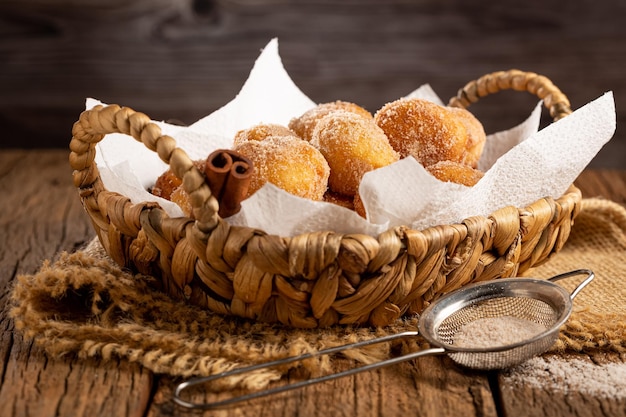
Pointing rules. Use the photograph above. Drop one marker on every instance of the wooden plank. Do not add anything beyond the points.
(610, 184)
(36, 385)
(425, 387)
(176, 60)
(41, 216)
(541, 391)
(49, 219)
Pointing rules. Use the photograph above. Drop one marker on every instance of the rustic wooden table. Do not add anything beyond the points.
(41, 215)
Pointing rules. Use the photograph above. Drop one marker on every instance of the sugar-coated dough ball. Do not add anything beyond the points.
(352, 145)
(422, 129)
(449, 171)
(476, 136)
(180, 197)
(305, 124)
(261, 132)
(339, 199)
(170, 187)
(289, 163)
(165, 184)
(359, 207)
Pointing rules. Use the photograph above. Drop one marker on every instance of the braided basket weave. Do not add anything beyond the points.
(314, 279)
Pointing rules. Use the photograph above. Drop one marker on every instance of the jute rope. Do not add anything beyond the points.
(85, 304)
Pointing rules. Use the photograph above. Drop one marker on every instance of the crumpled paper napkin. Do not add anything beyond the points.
(521, 165)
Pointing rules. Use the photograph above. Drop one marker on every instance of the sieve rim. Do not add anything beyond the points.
(442, 308)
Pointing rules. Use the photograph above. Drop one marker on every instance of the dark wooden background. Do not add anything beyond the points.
(182, 59)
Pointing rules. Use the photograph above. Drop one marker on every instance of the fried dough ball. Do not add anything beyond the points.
(262, 131)
(167, 182)
(170, 187)
(339, 199)
(352, 145)
(422, 129)
(449, 171)
(289, 163)
(165, 185)
(305, 124)
(182, 199)
(359, 208)
(476, 136)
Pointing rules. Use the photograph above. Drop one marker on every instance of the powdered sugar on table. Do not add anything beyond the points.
(570, 375)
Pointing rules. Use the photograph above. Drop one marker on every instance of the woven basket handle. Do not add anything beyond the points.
(94, 124)
(554, 100)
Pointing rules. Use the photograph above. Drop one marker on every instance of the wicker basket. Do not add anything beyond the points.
(314, 279)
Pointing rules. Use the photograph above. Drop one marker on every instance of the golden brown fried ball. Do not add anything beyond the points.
(352, 145)
(170, 187)
(182, 199)
(165, 184)
(359, 208)
(422, 129)
(339, 199)
(305, 124)
(261, 132)
(449, 171)
(476, 136)
(289, 163)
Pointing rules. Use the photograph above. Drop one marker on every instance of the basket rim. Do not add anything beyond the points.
(94, 124)
(236, 263)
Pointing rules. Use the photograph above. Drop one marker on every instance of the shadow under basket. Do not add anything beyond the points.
(314, 279)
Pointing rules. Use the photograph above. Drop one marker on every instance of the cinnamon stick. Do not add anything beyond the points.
(228, 175)
(217, 169)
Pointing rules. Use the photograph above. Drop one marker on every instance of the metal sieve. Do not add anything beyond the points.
(535, 300)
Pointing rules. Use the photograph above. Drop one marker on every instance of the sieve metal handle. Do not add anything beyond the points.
(257, 394)
(590, 277)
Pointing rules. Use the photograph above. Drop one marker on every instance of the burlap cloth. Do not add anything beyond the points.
(83, 304)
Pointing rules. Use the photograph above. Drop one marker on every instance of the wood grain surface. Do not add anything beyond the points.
(181, 60)
(41, 215)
